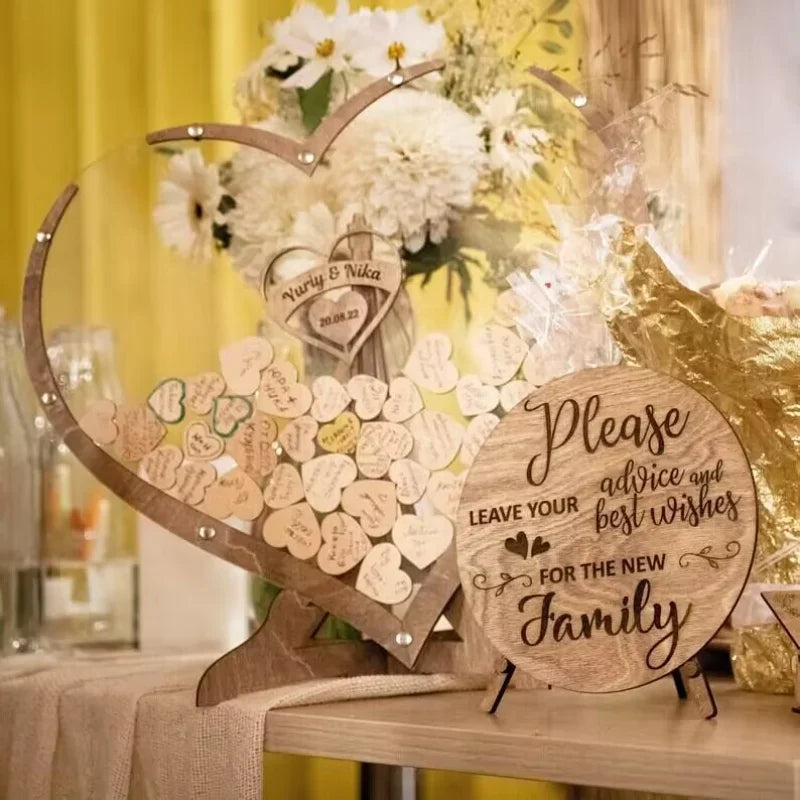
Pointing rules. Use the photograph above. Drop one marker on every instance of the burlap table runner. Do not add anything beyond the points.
(127, 727)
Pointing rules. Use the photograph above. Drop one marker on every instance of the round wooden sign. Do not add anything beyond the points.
(606, 529)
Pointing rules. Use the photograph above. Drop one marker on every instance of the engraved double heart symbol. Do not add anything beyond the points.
(328, 304)
(519, 545)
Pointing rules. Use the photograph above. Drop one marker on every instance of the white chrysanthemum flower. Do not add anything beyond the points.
(187, 205)
(323, 42)
(412, 160)
(398, 37)
(513, 145)
(269, 194)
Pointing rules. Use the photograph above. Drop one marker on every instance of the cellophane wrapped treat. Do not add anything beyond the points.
(737, 343)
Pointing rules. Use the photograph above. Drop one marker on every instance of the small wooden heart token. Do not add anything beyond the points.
(374, 503)
(139, 432)
(403, 402)
(429, 364)
(341, 435)
(379, 444)
(330, 398)
(242, 363)
(325, 477)
(544, 364)
(437, 438)
(98, 423)
(166, 400)
(234, 494)
(297, 438)
(252, 446)
(444, 491)
(410, 478)
(344, 544)
(280, 394)
(369, 395)
(192, 480)
(422, 539)
(160, 467)
(477, 433)
(338, 320)
(499, 354)
(474, 397)
(295, 528)
(200, 443)
(380, 577)
(203, 390)
(284, 488)
(508, 308)
(229, 412)
(513, 392)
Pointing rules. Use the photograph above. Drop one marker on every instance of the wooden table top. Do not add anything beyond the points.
(645, 739)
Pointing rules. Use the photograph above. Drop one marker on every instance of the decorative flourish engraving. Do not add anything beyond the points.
(480, 581)
(733, 549)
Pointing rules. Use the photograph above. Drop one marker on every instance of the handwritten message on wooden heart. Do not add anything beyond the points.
(98, 422)
(369, 395)
(297, 438)
(242, 363)
(295, 528)
(380, 577)
(160, 467)
(606, 529)
(344, 544)
(166, 400)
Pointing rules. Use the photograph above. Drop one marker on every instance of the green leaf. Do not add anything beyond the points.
(551, 47)
(314, 102)
(556, 6)
(226, 204)
(564, 26)
(263, 594)
(222, 235)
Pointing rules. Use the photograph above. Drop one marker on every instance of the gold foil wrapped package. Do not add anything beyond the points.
(749, 367)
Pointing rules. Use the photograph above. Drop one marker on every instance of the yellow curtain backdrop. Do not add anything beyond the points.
(80, 77)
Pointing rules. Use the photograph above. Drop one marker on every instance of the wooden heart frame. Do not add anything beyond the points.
(404, 640)
(283, 310)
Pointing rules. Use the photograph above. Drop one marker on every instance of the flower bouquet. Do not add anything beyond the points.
(451, 170)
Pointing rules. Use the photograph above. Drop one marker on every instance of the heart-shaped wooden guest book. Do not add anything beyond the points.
(308, 454)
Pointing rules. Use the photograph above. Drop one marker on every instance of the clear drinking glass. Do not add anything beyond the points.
(20, 500)
(90, 553)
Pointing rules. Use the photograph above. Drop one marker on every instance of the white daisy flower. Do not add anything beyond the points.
(413, 161)
(398, 38)
(187, 205)
(513, 145)
(325, 43)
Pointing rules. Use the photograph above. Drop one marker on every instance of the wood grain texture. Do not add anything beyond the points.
(283, 651)
(643, 740)
(606, 529)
